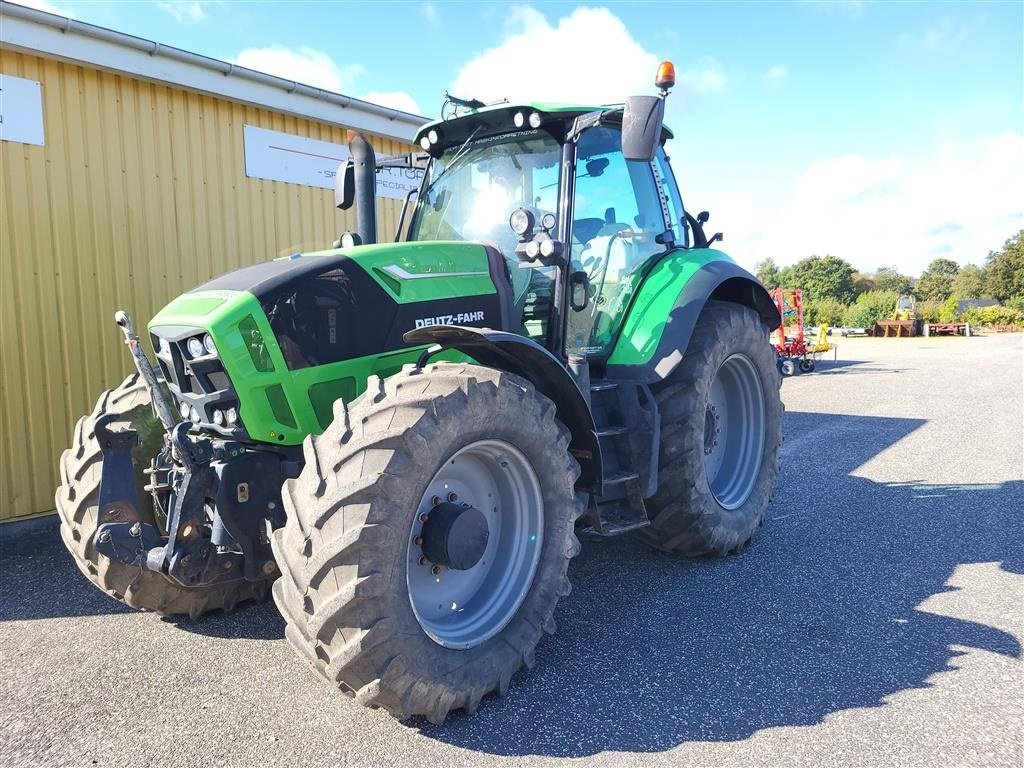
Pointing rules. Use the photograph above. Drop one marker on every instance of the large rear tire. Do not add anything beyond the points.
(77, 501)
(721, 428)
(361, 606)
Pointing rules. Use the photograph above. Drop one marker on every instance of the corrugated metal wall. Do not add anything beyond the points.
(139, 193)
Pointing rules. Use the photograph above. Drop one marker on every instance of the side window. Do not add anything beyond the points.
(617, 219)
(675, 201)
(612, 196)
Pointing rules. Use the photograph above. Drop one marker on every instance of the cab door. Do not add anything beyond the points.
(619, 225)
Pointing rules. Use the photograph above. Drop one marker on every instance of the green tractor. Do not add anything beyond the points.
(404, 441)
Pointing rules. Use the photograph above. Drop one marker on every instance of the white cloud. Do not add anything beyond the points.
(310, 66)
(954, 200)
(943, 34)
(775, 74)
(184, 10)
(707, 77)
(46, 7)
(303, 65)
(394, 99)
(587, 57)
(430, 13)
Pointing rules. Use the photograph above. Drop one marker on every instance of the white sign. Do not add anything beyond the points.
(285, 157)
(21, 110)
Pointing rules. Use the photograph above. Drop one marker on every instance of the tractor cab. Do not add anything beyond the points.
(576, 220)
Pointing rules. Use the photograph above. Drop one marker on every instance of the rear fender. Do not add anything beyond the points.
(526, 358)
(663, 315)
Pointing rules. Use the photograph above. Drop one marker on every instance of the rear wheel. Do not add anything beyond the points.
(428, 538)
(720, 434)
(77, 501)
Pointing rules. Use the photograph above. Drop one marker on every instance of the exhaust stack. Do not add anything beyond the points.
(364, 170)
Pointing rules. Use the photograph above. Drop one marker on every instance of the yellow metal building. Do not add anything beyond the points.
(138, 193)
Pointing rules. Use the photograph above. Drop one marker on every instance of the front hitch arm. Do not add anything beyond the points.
(145, 369)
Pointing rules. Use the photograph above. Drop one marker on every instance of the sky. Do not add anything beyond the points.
(885, 133)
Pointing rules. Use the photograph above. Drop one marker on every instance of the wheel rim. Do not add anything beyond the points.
(734, 423)
(463, 608)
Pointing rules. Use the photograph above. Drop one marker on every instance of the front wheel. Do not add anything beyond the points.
(721, 427)
(428, 538)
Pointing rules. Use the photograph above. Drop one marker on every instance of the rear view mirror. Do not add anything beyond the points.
(345, 185)
(641, 127)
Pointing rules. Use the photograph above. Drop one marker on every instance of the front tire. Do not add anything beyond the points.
(77, 501)
(721, 427)
(353, 590)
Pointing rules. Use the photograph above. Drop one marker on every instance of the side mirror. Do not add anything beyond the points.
(641, 127)
(345, 185)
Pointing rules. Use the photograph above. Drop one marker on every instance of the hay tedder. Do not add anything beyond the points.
(795, 352)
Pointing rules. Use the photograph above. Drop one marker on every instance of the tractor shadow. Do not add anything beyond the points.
(41, 581)
(816, 617)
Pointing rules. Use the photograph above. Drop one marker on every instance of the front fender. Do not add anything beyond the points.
(526, 358)
(657, 330)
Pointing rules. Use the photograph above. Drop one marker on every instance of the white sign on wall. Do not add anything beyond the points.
(21, 110)
(285, 157)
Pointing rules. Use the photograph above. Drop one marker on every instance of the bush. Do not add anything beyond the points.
(948, 312)
(994, 316)
(1015, 302)
(869, 308)
(929, 311)
(824, 311)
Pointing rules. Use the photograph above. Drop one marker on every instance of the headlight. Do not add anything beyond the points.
(218, 417)
(211, 348)
(232, 415)
(432, 136)
(195, 346)
(194, 415)
(547, 221)
(183, 410)
(535, 120)
(521, 221)
(425, 142)
(519, 119)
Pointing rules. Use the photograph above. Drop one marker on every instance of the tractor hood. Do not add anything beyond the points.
(294, 334)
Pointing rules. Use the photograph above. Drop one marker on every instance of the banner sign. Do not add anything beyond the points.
(285, 157)
(21, 110)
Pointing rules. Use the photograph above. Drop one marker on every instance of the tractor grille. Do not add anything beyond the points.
(199, 384)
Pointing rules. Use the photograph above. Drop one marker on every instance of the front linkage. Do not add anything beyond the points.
(219, 497)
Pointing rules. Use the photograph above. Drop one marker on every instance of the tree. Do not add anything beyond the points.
(863, 282)
(936, 283)
(969, 283)
(823, 277)
(1004, 269)
(768, 273)
(824, 312)
(889, 279)
(869, 308)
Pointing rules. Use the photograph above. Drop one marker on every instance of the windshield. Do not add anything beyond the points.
(471, 191)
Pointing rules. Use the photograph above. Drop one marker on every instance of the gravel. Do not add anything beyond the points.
(876, 620)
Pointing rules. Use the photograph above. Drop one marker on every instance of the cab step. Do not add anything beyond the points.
(611, 518)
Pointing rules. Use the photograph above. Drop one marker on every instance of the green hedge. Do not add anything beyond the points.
(994, 316)
(869, 308)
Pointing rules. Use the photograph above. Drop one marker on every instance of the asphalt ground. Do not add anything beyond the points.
(876, 620)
